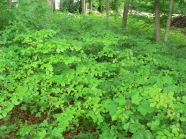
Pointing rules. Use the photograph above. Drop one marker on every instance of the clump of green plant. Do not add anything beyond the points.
(92, 78)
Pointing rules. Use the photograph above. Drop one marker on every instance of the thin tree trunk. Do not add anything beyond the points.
(54, 6)
(107, 8)
(100, 8)
(168, 20)
(83, 4)
(125, 14)
(90, 6)
(9, 3)
(157, 20)
(50, 3)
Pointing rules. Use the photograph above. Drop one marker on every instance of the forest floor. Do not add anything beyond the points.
(26, 117)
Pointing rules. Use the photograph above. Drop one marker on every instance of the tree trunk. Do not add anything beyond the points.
(51, 4)
(125, 14)
(9, 3)
(157, 20)
(168, 20)
(54, 6)
(83, 4)
(100, 8)
(107, 8)
(90, 6)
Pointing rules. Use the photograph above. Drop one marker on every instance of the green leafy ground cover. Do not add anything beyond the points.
(85, 77)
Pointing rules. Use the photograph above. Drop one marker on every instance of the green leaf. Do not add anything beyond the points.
(120, 100)
(57, 132)
(4, 113)
(169, 89)
(134, 127)
(42, 134)
(160, 133)
(145, 108)
(126, 126)
(112, 107)
(92, 115)
(152, 104)
(3, 127)
(184, 99)
(2, 77)
(136, 98)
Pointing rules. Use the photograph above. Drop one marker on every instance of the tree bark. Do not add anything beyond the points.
(90, 6)
(54, 6)
(107, 8)
(9, 3)
(168, 20)
(83, 4)
(125, 14)
(51, 4)
(100, 8)
(157, 20)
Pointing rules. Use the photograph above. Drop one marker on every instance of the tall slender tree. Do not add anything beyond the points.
(168, 20)
(107, 7)
(51, 4)
(9, 3)
(90, 6)
(157, 20)
(83, 4)
(125, 13)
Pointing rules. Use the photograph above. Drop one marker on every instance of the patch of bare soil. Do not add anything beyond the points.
(19, 116)
(184, 33)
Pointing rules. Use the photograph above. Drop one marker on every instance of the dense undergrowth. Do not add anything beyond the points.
(85, 76)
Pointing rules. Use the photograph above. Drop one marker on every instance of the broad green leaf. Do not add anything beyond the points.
(126, 126)
(42, 134)
(184, 99)
(112, 107)
(56, 132)
(134, 127)
(136, 98)
(120, 100)
(145, 108)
